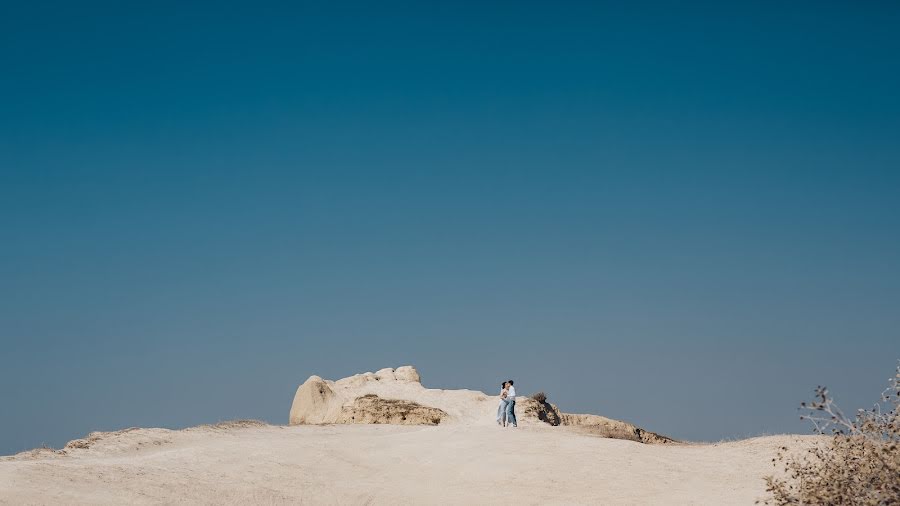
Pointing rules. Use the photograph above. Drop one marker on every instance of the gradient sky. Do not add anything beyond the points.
(685, 217)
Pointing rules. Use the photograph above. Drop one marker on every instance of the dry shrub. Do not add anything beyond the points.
(540, 397)
(860, 465)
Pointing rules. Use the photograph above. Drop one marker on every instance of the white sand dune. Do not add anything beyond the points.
(458, 461)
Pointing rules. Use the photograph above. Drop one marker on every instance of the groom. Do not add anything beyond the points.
(511, 404)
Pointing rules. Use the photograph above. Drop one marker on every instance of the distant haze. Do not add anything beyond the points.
(685, 218)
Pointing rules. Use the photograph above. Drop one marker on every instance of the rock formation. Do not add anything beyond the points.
(396, 396)
(373, 409)
(313, 402)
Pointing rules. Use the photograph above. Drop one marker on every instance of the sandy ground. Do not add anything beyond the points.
(382, 464)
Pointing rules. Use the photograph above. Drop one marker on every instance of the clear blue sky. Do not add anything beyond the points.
(686, 217)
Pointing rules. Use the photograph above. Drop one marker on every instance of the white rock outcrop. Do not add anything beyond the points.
(396, 396)
(313, 402)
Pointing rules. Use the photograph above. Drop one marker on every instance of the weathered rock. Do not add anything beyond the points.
(388, 396)
(386, 374)
(543, 411)
(371, 409)
(312, 402)
(407, 373)
(396, 396)
(617, 429)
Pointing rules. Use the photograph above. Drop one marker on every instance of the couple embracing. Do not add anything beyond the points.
(506, 411)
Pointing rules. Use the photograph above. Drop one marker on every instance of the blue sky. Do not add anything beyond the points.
(685, 217)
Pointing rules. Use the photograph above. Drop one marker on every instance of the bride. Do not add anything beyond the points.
(501, 409)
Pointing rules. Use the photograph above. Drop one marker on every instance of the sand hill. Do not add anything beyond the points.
(383, 438)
